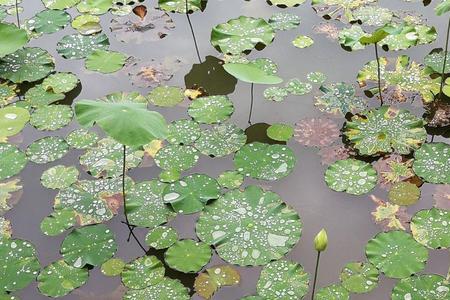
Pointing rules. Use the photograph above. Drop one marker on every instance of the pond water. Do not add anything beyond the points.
(346, 218)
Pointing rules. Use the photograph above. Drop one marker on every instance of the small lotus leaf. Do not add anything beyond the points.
(87, 24)
(105, 61)
(12, 120)
(161, 237)
(188, 256)
(58, 222)
(404, 193)
(359, 277)
(47, 149)
(143, 272)
(280, 132)
(10, 193)
(207, 283)
(176, 157)
(60, 82)
(303, 41)
(112, 267)
(59, 177)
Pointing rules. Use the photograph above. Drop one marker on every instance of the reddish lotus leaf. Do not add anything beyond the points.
(330, 30)
(438, 114)
(334, 153)
(316, 132)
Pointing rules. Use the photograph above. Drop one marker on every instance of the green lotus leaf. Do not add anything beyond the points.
(12, 160)
(230, 179)
(161, 237)
(145, 207)
(59, 279)
(87, 24)
(77, 46)
(27, 64)
(114, 119)
(442, 7)
(188, 256)
(252, 298)
(8, 297)
(81, 139)
(373, 15)
(207, 283)
(249, 227)
(37, 96)
(58, 222)
(10, 194)
(421, 287)
(191, 193)
(212, 109)
(396, 254)
(169, 176)
(49, 21)
(302, 41)
(13, 38)
(275, 93)
(105, 61)
(59, 177)
(241, 35)
(410, 36)
(280, 132)
(20, 264)
(221, 140)
(351, 37)
(435, 61)
(176, 157)
(60, 82)
(179, 6)
(284, 21)
(60, 4)
(88, 245)
(404, 193)
(283, 280)
(263, 161)
(384, 130)
(298, 88)
(184, 132)
(52, 117)
(359, 277)
(339, 98)
(260, 71)
(47, 149)
(143, 272)
(7, 93)
(286, 3)
(112, 267)
(3, 13)
(432, 162)
(430, 227)
(316, 77)
(12, 120)
(332, 292)
(94, 7)
(166, 96)
(121, 97)
(5, 229)
(166, 289)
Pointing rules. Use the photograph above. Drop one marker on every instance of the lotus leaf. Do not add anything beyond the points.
(207, 283)
(286, 3)
(432, 162)
(47, 149)
(60, 4)
(435, 61)
(188, 256)
(94, 7)
(12, 160)
(81, 139)
(5, 229)
(358, 277)
(52, 117)
(258, 71)
(7, 93)
(421, 287)
(280, 132)
(105, 61)
(112, 267)
(303, 41)
(87, 24)
(212, 109)
(143, 272)
(390, 216)
(221, 140)
(179, 6)
(316, 77)
(123, 97)
(284, 21)
(60, 82)
(58, 222)
(298, 88)
(339, 98)
(332, 292)
(59, 177)
(430, 227)
(350, 37)
(37, 96)
(373, 15)
(49, 21)
(13, 38)
(166, 289)
(77, 46)
(184, 132)
(316, 132)
(275, 93)
(12, 120)
(404, 193)
(10, 193)
(176, 157)
(166, 96)
(161, 237)
(230, 179)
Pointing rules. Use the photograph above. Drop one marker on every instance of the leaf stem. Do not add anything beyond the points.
(315, 275)
(17, 13)
(251, 105)
(445, 60)
(379, 74)
(193, 33)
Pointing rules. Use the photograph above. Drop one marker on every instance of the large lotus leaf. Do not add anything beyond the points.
(112, 267)
(253, 72)
(409, 36)
(384, 130)
(183, 132)
(179, 6)
(58, 279)
(13, 38)
(5, 229)
(161, 237)
(10, 194)
(176, 157)
(284, 21)
(283, 280)
(49, 21)
(52, 117)
(60, 4)
(188, 256)
(12, 160)
(358, 277)
(94, 7)
(332, 292)
(191, 193)
(77, 46)
(422, 287)
(105, 61)
(396, 254)
(88, 245)
(339, 98)
(431, 228)
(58, 222)
(12, 120)
(263, 161)
(241, 35)
(81, 139)
(249, 227)
(286, 3)
(59, 177)
(19, 262)
(207, 283)
(114, 119)
(221, 140)
(212, 109)
(60, 82)
(432, 162)
(351, 176)
(27, 64)
(166, 289)
(145, 206)
(37, 96)
(143, 272)
(47, 149)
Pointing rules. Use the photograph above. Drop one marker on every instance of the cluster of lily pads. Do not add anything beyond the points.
(362, 145)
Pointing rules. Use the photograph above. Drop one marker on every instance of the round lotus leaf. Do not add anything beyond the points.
(207, 283)
(88, 245)
(259, 71)
(145, 206)
(58, 222)
(191, 193)
(283, 280)
(8, 93)
(263, 161)
(12, 161)
(94, 7)
(188, 256)
(280, 132)
(49, 21)
(52, 117)
(396, 254)
(60, 82)
(37, 96)
(249, 227)
(179, 6)
(316, 77)
(230, 179)
(212, 109)
(303, 41)
(27, 64)
(352, 176)
(12, 120)
(340, 99)
(241, 35)
(13, 38)
(5, 229)
(221, 140)
(298, 88)
(176, 157)
(384, 130)
(105, 61)
(332, 292)
(47, 149)
(59, 279)
(432, 162)
(359, 277)
(87, 24)
(19, 262)
(112, 267)
(275, 93)
(161, 237)
(431, 228)
(143, 272)
(60, 4)
(59, 177)
(404, 193)
(284, 21)
(169, 176)
(166, 96)
(77, 46)
(184, 132)
(81, 138)
(166, 289)
(106, 159)
(422, 287)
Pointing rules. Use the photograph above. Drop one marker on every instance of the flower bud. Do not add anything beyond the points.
(321, 241)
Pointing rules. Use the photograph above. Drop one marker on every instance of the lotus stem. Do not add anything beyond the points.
(251, 105)
(193, 33)
(445, 60)
(379, 74)
(17, 13)
(315, 275)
